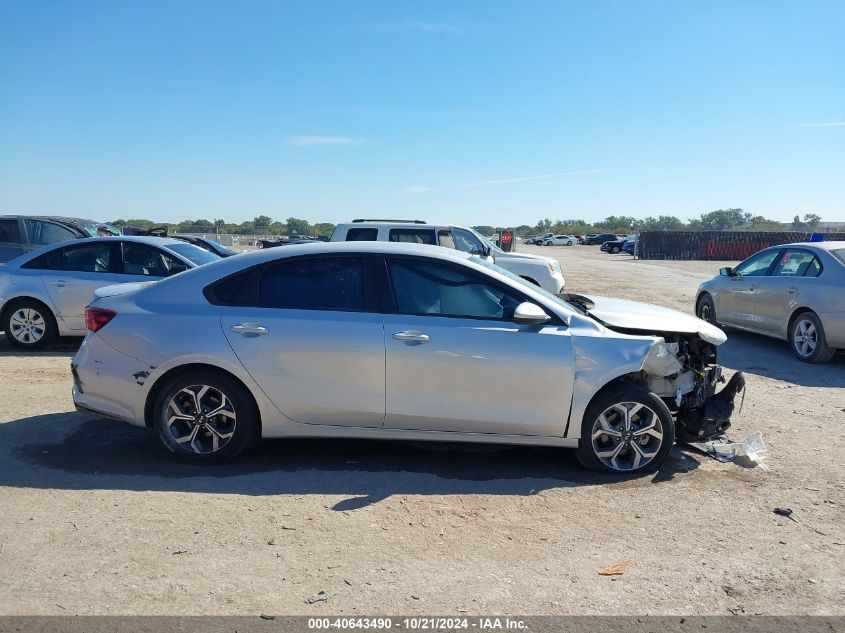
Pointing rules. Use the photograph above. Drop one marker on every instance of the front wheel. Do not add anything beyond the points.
(808, 340)
(204, 417)
(628, 429)
(705, 310)
(548, 243)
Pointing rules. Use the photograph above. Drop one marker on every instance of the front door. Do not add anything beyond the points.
(735, 301)
(76, 272)
(311, 335)
(457, 362)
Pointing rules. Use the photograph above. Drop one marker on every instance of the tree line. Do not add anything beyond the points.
(719, 220)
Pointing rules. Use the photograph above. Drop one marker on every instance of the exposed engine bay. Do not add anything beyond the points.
(681, 370)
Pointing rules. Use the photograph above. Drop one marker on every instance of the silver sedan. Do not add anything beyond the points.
(396, 341)
(794, 292)
(43, 293)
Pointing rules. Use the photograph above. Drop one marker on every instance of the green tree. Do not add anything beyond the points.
(724, 219)
(298, 226)
(262, 223)
(811, 220)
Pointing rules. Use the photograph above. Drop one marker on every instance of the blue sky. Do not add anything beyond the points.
(467, 112)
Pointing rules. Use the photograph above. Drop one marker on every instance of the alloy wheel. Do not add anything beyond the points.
(27, 326)
(805, 337)
(627, 436)
(704, 311)
(200, 418)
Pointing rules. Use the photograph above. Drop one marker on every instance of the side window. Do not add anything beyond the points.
(51, 260)
(141, 259)
(9, 232)
(756, 265)
(325, 283)
(467, 242)
(226, 292)
(429, 288)
(362, 235)
(42, 233)
(89, 258)
(414, 236)
(797, 263)
(444, 238)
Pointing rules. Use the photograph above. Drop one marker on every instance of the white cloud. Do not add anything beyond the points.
(323, 140)
(829, 124)
(505, 181)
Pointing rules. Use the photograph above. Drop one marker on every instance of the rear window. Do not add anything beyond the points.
(413, 236)
(839, 254)
(362, 235)
(325, 283)
(195, 254)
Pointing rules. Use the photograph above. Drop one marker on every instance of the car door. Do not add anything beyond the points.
(735, 299)
(795, 271)
(74, 273)
(10, 239)
(309, 331)
(457, 362)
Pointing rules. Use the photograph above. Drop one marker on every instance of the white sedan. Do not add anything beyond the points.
(560, 240)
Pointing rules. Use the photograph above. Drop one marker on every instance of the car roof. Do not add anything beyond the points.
(54, 218)
(824, 246)
(376, 247)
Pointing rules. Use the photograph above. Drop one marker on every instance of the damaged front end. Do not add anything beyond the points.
(682, 370)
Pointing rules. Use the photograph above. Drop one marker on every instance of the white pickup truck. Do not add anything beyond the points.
(542, 271)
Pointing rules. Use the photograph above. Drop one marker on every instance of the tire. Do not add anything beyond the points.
(29, 324)
(616, 446)
(193, 436)
(705, 309)
(614, 250)
(806, 336)
(548, 243)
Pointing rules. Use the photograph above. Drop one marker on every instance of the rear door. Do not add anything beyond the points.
(795, 271)
(76, 271)
(309, 331)
(457, 362)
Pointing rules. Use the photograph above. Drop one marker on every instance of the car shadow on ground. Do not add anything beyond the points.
(64, 346)
(765, 356)
(74, 451)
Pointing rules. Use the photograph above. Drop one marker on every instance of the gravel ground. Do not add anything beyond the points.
(95, 519)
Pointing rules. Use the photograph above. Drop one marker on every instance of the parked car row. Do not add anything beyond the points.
(22, 233)
(626, 244)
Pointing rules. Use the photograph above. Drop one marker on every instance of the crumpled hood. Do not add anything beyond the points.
(646, 317)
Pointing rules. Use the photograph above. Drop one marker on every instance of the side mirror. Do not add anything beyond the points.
(727, 271)
(528, 313)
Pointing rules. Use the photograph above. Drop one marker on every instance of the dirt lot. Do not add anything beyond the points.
(94, 519)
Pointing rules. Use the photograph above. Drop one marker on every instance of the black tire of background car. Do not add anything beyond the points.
(51, 329)
(706, 300)
(624, 392)
(246, 415)
(823, 353)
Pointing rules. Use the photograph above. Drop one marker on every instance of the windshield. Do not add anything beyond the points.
(546, 294)
(99, 229)
(195, 254)
(839, 253)
(220, 247)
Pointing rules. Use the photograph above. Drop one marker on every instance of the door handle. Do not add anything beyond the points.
(249, 328)
(411, 336)
(792, 291)
(61, 283)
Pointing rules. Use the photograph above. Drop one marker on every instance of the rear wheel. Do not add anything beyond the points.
(204, 417)
(614, 250)
(29, 325)
(808, 341)
(628, 429)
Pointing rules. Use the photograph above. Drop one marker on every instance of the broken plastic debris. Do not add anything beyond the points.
(615, 570)
(751, 448)
(322, 596)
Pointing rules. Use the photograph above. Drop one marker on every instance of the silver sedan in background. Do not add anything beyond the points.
(388, 340)
(43, 293)
(794, 292)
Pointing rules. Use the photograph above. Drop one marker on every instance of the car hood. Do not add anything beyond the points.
(646, 317)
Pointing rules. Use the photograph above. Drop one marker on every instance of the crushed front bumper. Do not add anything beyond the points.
(704, 413)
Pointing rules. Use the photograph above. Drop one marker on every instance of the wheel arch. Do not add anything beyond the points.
(798, 311)
(156, 387)
(14, 301)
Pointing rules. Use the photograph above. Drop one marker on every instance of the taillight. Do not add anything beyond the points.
(96, 318)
